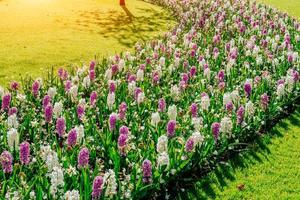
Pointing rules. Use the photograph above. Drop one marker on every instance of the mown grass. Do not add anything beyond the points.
(268, 169)
(36, 35)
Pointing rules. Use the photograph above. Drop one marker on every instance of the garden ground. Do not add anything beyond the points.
(36, 35)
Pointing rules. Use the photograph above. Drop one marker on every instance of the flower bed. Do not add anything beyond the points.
(124, 126)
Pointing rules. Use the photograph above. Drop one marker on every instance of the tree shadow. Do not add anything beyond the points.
(218, 173)
(124, 26)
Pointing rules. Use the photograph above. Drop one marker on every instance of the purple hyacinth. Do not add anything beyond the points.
(185, 77)
(147, 171)
(215, 127)
(83, 157)
(60, 126)
(155, 77)
(247, 88)
(137, 91)
(24, 153)
(161, 105)
(194, 110)
(72, 137)
(221, 75)
(6, 101)
(122, 141)
(112, 121)
(112, 87)
(12, 110)
(80, 111)
(122, 110)
(229, 106)
(97, 187)
(68, 85)
(62, 73)
(35, 88)
(48, 113)
(264, 99)
(171, 126)
(93, 98)
(46, 101)
(6, 162)
(193, 71)
(240, 114)
(189, 145)
(124, 130)
(14, 85)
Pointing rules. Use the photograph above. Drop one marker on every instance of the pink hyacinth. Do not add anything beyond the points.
(62, 73)
(80, 111)
(264, 100)
(215, 127)
(240, 114)
(147, 171)
(93, 98)
(72, 137)
(6, 101)
(6, 162)
(83, 157)
(131, 77)
(112, 121)
(221, 75)
(14, 85)
(171, 126)
(189, 145)
(114, 69)
(48, 113)
(193, 71)
(247, 88)
(92, 75)
(124, 130)
(24, 153)
(185, 77)
(97, 187)
(155, 77)
(60, 126)
(161, 105)
(122, 110)
(92, 65)
(46, 101)
(68, 85)
(194, 110)
(35, 88)
(12, 111)
(137, 91)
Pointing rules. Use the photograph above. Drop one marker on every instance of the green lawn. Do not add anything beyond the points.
(269, 169)
(36, 35)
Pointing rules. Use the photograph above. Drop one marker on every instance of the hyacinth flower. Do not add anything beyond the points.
(72, 137)
(112, 86)
(6, 162)
(14, 85)
(83, 158)
(61, 126)
(161, 105)
(247, 88)
(189, 145)
(97, 187)
(124, 130)
(171, 127)
(12, 111)
(122, 111)
(48, 113)
(147, 171)
(112, 121)
(62, 74)
(92, 75)
(264, 100)
(24, 153)
(6, 101)
(80, 111)
(122, 142)
(240, 114)
(215, 127)
(92, 65)
(194, 110)
(93, 98)
(35, 88)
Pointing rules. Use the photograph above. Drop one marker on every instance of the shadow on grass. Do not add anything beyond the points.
(123, 25)
(201, 183)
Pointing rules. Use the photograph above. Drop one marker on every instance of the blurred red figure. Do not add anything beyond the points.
(122, 2)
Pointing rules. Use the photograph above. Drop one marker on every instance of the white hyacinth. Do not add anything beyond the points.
(280, 90)
(162, 144)
(172, 112)
(163, 159)
(13, 138)
(198, 138)
(226, 126)
(121, 65)
(140, 97)
(155, 119)
(86, 82)
(131, 87)
(207, 73)
(73, 92)
(52, 92)
(249, 109)
(205, 102)
(2, 92)
(57, 181)
(12, 121)
(175, 92)
(108, 74)
(110, 100)
(197, 123)
(111, 184)
(80, 133)
(57, 108)
(140, 75)
(72, 195)
(162, 61)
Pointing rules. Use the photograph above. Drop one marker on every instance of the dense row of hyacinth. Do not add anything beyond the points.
(124, 126)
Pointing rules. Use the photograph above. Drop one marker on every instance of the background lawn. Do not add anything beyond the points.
(36, 35)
